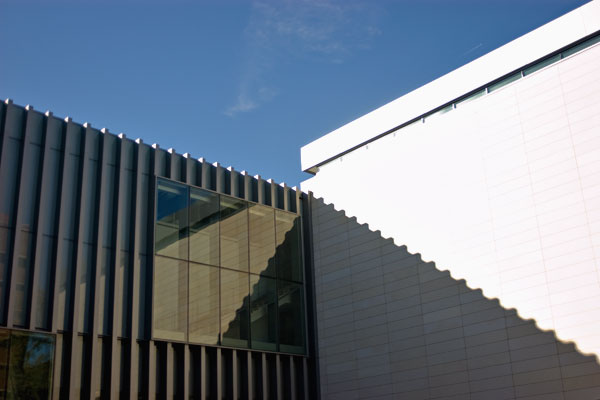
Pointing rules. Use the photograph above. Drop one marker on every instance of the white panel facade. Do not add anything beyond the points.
(554, 35)
(503, 191)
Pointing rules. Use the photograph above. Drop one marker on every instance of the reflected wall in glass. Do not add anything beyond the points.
(204, 227)
(204, 304)
(263, 313)
(262, 239)
(234, 234)
(234, 308)
(171, 220)
(170, 299)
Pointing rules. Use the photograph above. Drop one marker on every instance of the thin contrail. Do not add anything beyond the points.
(473, 49)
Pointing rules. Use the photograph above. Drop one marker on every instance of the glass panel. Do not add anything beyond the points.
(170, 299)
(541, 64)
(438, 113)
(289, 257)
(470, 98)
(504, 82)
(262, 239)
(204, 227)
(291, 317)
(204, 304)
(234, 308)
(171, 220)
(4, 344)
(30, 366)
(580, 46)
(263, 313)
(234, 234)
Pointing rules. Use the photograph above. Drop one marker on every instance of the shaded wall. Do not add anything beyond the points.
(391, 326)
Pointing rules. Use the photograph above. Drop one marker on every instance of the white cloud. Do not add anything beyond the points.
(328, 30)
(243, 104)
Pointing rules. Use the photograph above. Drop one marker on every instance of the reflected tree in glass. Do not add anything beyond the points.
(234, 234)
(204, 227)
(30, 366)
(262, 239)
(263, 313)
(234, 308)
(4, 344)
(171, 220)
(204, 304)
(288, 257)
(291, 317)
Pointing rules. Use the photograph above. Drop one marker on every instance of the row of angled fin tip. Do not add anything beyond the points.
(154, 145)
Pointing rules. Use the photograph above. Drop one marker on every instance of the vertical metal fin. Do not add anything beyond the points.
(170, 370)
(265, 376)
(293, 388)
(203, 373)
(152, 378)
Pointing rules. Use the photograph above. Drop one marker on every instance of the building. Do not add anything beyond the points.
(446, 248)
(491, 174)
(129, 271)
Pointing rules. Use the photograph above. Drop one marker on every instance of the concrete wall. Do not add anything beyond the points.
(392, 326)
(503, 191)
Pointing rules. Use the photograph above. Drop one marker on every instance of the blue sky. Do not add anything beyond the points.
(244, 83)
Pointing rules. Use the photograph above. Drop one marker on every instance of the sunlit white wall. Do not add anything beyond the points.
(503, 191)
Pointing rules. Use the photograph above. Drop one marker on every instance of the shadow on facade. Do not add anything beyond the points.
(391, 325)
(277, 323)
(262, 339)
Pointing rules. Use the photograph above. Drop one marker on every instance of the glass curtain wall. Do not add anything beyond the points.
(227, 272)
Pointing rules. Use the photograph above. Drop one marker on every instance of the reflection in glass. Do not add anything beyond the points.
(262, 239)
(288, 256)
(170, 299)
(202, 290)
(291, 317)
(234, 308)
(234, 234)
(4, 344)
(204, 227)
(263, 312)
(171, 220)
(204, 304)
(30, 366)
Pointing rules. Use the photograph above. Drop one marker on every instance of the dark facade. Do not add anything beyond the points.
(143, 273)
